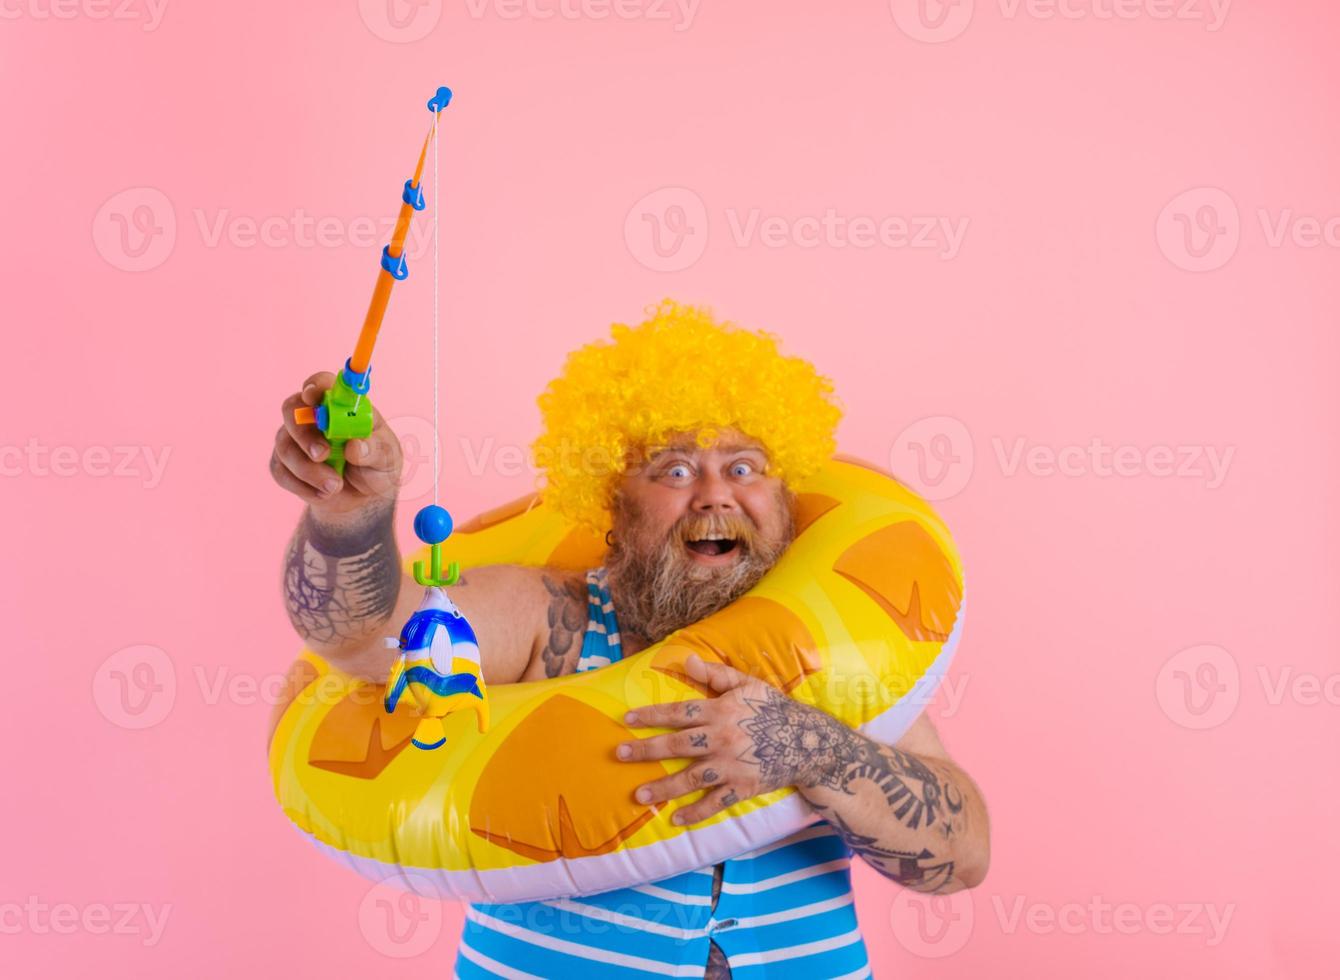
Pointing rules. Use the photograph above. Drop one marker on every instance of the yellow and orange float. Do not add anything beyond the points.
(859, 617)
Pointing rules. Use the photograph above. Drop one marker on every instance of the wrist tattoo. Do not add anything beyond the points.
(567, 622)
(341, 582)
(797, 745)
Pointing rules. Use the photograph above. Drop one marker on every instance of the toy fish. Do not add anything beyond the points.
(439, 666)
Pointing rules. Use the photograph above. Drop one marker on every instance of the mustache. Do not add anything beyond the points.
(695, 529)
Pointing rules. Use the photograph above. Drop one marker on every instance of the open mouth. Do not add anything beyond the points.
(711, 546)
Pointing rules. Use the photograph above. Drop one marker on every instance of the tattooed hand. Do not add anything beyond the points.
(906, 814)
(748, 740)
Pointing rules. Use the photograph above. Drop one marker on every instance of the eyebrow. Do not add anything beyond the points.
(682, 447)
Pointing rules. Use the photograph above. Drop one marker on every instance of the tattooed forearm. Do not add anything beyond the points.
(919, 870)
(341, 583)
(796, 745)
(905, 815)
(567, 622)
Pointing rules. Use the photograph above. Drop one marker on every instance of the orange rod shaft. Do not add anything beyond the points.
(381, 293)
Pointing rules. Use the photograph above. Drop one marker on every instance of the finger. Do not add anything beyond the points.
(318, 476)
(291, 483)
(712, 803)
(690, 780)
(371, 483)
(671, 714)
(720, 677)
(370, 454)
(308, 437)
(315, 386)
(688, 744)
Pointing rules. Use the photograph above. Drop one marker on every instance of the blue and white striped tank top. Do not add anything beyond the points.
(784, 910)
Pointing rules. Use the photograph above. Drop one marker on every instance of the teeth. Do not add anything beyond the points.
(716, 537)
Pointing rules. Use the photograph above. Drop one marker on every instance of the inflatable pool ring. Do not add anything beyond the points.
(860, 617)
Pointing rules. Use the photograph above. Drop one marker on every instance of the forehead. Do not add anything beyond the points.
(730, 441)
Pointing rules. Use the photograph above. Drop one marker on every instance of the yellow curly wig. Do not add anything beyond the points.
(677, 371)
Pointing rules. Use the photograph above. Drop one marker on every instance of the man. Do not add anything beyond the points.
(683, 438)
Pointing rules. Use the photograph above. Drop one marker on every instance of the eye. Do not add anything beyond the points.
(741, 468)
(677, 471)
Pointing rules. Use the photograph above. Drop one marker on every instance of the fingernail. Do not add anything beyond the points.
(318, 451)
(623, 751)
(644, 795)
(330, 486)
(630, 718)
(677, 818)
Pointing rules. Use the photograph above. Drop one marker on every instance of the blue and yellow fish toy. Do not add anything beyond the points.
(439, 654)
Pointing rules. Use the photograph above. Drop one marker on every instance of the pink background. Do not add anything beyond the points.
(1123, 278)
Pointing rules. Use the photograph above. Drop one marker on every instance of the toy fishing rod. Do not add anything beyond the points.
(345, 413)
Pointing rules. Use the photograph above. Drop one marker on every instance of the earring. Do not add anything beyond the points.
(608, 542)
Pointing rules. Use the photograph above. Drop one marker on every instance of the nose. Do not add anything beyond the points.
(714, 495)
